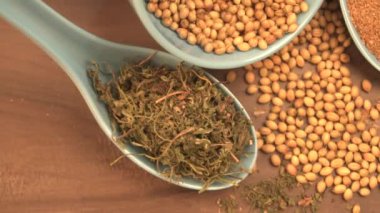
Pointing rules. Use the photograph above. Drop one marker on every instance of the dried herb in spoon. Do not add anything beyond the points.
(183, 122)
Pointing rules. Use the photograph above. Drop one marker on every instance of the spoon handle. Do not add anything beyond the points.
(71, 47)
(61, 39)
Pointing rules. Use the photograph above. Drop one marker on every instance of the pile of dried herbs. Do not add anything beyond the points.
(272, 195)
(228, 205)
(185, 124)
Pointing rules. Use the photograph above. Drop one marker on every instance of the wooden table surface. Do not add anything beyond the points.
(55, 158)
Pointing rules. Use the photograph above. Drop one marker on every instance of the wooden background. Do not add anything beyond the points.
(55, 158)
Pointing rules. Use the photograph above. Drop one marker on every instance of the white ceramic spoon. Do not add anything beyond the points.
(73, 48)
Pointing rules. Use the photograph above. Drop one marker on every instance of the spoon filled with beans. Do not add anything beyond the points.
(221, 34)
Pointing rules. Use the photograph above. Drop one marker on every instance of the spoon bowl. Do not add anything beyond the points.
(73, 48)
(169, 40)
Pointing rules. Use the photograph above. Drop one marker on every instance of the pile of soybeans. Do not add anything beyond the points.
(319, 126)
(222, 26)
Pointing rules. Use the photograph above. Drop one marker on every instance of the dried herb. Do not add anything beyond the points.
(182, 121)
(228, 205)
(273, 195)
(270, 195)
(310, 203)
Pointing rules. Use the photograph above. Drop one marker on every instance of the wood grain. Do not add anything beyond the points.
(55, 158)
